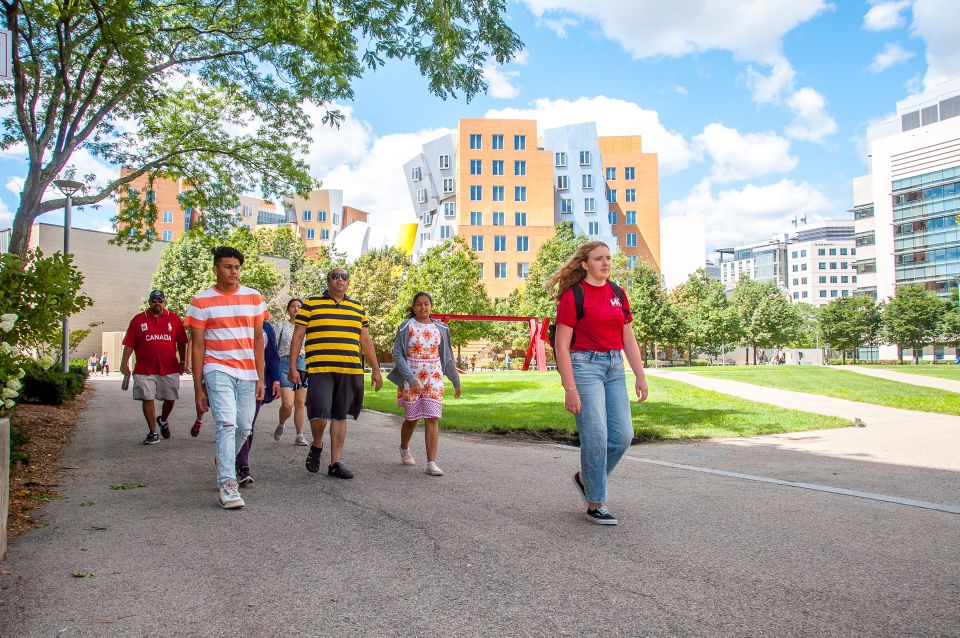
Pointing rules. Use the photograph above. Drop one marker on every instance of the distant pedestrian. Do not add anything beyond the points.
(157, 338)
(104, 364)
(92, 364)
(506, 361)
(589, 351)
(271, 372)
(293, 395)
(422, 355)
(334, 328)
(763, 357)
(473, 363)
(226, 332)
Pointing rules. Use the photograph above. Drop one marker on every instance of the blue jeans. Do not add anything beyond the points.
(604, 422)
(233, 403)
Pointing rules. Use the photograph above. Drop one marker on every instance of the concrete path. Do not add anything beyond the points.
(498, 546)
(906, 377)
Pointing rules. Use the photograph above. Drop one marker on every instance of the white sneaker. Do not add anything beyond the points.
(407, 458)
(301, 441)
(230, 496)
(278, 433)
(433, 469)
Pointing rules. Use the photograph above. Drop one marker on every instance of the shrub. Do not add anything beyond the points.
(699, 362)
(50, 386)
(18, 440)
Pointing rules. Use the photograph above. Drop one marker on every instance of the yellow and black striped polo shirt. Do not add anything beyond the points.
(332, 341)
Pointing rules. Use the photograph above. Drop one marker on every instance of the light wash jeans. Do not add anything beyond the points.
(604, 421)
(233, 403)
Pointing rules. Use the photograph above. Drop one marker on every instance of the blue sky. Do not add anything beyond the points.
(758, 110)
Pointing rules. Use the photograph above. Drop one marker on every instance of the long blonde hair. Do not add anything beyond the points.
(572, 271)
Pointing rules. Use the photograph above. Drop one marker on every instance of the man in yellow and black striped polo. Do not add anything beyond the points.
(335, 329)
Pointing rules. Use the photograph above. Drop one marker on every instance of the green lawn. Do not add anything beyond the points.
(941, 371)
(842, 384)
(533, 402)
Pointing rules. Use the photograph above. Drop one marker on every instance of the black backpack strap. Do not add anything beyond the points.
(578, 299)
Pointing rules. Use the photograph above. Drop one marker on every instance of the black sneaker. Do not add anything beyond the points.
(602, 516)
(339, 471)
(313, 459)
(164, 428)
(152, 438)
(583, 491)
(243, 476)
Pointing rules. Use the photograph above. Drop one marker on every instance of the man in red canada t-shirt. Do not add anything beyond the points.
(159, 341)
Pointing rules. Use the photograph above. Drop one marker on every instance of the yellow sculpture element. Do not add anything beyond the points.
(406, 238)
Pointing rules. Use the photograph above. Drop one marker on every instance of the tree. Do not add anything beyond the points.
(767, 318)
(654, 319)
(450, 273)
(708, 323)
(851, 323)
(911, 318)
(311, 277)
(537, 299)
(214, 92)
(375, 280)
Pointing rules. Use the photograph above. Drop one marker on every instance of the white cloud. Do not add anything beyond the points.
(333, 146)
(682, 90)
(884, 16)
(106, 228)
(559, 25)
(15, 185)
(752, 213)
(501, 79)
(771, 87)
(613, 117)
(812, 122)
(892, 54)
(738, 157)
(932, 23)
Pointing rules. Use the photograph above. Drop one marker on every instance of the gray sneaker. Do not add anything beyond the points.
(300, 440)
(230, 496)
(278, 433)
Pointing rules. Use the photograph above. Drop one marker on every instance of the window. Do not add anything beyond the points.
(795, 268)
(310, 233)
(476, 242)
(584, 158)
(843, 251)
(523, 244)
(497, 142)
(846, 293)
(611, 195)
(631, 261)
(248, 211)
(804, 295)
(519, 193)
(428, 219)
(307, 215)
(611, 173)
(803, 281)
(612, 217)
(444, 161)
(796, 295)
(523, 270)
(424, 237)
(497, 218)
(821, 252)
(593, 228)
(823, 280)
(794, 254)
(415, 174)
(499, 243)
(796, 281)
(823, 293)
(421, 195)
(168, 217)
(498, 193)
(853, 279)
(449, 209)
(321, 215)
(476, 218)
(803, 266)
(586, 181)
(497, 167)
(336, 219)
(476, 193)
(476, 142)
(447, 184)
(631, 217)
(566, 205)
(563, 182)
(631, 240)
(500, 270)
(853, 251)
(845, 279)
(560, 160)
(589, 205)
(833, 265)
(167, 235)
(631, 195)
(444, 232)
(520, 167)
(833, 293)
(476, 167)
(803, 253)
(186, 222)
(822, 265)
(629, 172)
(519, 219)
(844, 265)
(519, 142)
(833, 252)
(324, 233)
(833, 279)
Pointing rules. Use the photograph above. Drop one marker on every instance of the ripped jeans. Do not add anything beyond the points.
(233, 403)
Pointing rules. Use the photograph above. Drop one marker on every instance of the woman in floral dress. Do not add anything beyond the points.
(422, 355)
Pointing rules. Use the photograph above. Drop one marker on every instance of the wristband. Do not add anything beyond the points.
(573, 389)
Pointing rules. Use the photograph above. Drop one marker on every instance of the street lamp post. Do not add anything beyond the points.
(68, 188)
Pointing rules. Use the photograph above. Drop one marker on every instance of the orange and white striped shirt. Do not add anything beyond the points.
(227, 320)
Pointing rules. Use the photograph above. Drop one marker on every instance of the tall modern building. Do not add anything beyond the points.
(504, 191)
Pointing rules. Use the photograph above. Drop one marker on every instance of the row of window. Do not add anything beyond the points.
(630, 217)
(496, 142)
(822, 252)
(321, 216)
(519, 193)
(833, 279)
(497, 167)
(324, 234)
(499, 243)
(560, 159)
(519, 218)
(823, 294)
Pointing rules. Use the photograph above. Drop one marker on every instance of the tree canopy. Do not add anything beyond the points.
(214, 92)
(912, 318)
(851, 323)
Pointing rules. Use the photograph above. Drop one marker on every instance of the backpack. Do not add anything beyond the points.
(578, 302)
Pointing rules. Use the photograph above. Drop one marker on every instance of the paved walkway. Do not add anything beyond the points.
(906, 377)
(498, 546)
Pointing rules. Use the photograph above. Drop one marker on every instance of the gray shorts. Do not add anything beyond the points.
(160, 387)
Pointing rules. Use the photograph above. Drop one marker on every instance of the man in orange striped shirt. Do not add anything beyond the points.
(226, 324)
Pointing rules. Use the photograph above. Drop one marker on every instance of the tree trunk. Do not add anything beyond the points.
(843, 356)
(23, 220)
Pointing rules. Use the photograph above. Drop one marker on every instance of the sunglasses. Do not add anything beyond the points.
(339, 275)
(160, 299)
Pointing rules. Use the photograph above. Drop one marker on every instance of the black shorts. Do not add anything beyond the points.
(331, 395)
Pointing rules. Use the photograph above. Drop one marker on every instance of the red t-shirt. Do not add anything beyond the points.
(154, 341)
(601, 328)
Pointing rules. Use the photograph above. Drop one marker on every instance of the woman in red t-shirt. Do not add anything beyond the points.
(589, 355)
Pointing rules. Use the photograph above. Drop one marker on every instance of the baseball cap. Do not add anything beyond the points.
(156, 294)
